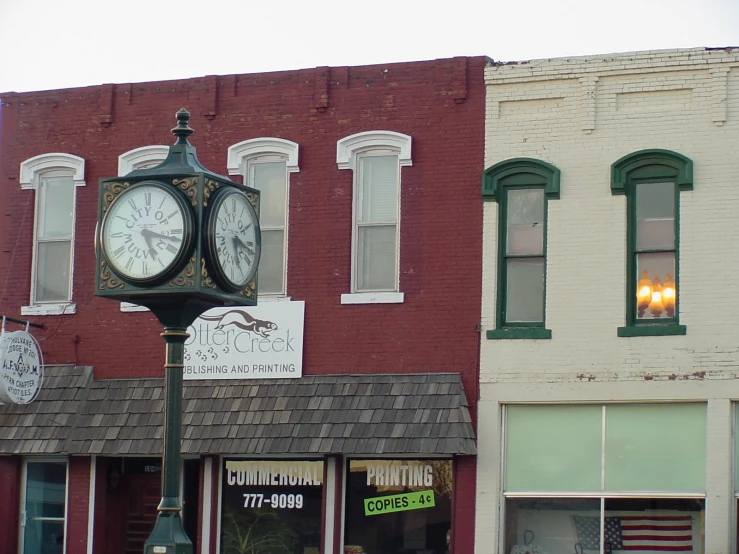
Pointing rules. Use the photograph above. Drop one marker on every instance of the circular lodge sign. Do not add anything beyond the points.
(21, 368)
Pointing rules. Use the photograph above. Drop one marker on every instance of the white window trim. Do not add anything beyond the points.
(128, 162)
(348, 151)
(267, 149)
(138, 157)
(24, 491)
(32, 171)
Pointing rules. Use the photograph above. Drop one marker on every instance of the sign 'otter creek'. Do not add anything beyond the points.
(21, 368)
(260, 342)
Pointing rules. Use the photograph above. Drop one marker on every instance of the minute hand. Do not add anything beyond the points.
(243, 245)
(146, 233)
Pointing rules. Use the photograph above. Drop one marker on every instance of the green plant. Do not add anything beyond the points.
(256, 531)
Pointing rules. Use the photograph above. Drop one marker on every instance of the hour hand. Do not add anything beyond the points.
(236, 252)
(147, 233)
(149, 246)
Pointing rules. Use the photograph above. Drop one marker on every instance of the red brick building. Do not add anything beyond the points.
(371, 219)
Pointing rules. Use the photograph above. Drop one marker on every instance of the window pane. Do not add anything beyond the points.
(416, 522)
(659, 447)
(553, 448)
(271, 268)
(271, 507)
(525, 290)
(45, 489)
(56, 208)
(655, 216)
(525, 221)
(656, 294)
(378, 194)
(376, 268)
(654, 525)
(43, 537)
(52, 271)
(551, 525)
(271, 180)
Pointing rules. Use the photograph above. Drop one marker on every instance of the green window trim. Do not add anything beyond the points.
(654, 167)
(520, 174)
(656, 163)
(493, 175)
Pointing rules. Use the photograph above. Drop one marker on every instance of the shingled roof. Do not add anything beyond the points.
(44, 425)
(368, 414)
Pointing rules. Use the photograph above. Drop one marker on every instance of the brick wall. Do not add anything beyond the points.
(10, 485)
(440, 104)
(583, 114)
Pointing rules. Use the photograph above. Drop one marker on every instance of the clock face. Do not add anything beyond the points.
(234, 239)
(146, 232)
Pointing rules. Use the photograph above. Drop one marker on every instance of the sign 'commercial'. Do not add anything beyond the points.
(21, 368)
(260, 342)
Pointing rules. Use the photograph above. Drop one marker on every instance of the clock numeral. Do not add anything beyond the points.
(233, 205)
(119, 251)
(163, 201)
(144, 266)
(176, 231)
(129, 264)
(147, 198)
(132, 204)
(117, 235)
(172, 249)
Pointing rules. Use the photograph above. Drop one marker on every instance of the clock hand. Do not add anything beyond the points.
(236, 254)
(147, 233)
(240, 242)
(147, 240)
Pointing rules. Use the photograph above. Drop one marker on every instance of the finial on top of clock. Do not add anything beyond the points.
(183, 130)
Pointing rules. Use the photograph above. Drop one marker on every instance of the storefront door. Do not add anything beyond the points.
(141, 497)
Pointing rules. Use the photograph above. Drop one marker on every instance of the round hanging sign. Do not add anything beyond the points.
(21, 368)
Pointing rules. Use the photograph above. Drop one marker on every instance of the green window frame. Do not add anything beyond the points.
(652, 181)
(522, 188)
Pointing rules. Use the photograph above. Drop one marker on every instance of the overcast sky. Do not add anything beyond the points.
(49, 44)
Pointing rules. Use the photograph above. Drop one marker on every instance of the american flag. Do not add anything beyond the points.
(646, 534)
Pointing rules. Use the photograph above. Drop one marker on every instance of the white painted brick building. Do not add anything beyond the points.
(589, 356)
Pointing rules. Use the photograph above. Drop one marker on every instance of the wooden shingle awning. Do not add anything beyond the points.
(418, 414)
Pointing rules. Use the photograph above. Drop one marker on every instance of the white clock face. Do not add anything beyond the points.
(143, 232)
(237, 240)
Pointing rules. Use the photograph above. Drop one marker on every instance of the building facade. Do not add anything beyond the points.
(607, 410)
(353, 381)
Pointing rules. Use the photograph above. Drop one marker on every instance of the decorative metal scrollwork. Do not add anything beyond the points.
(112, 190)
(254, 200)
(207, 281)
(210, 186)
(107, 280)
(188, 186)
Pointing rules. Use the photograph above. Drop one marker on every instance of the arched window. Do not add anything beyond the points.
(54, 177)
(652, 181)
(266, 164)
(522, 188)
(376, 158)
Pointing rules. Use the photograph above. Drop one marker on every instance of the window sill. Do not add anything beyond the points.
(65, 308)
(372, 298)
(519, 333)
(129, 307)
(652, 330)
(273, 298)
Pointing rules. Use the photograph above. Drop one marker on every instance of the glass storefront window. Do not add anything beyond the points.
(398, 506)
(588, 479)
(45, 507)
(271, 507)
(548, 525)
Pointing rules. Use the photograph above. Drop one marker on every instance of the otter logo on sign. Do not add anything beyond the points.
(21, 368)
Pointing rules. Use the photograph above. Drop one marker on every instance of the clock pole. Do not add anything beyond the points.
(185, 284)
